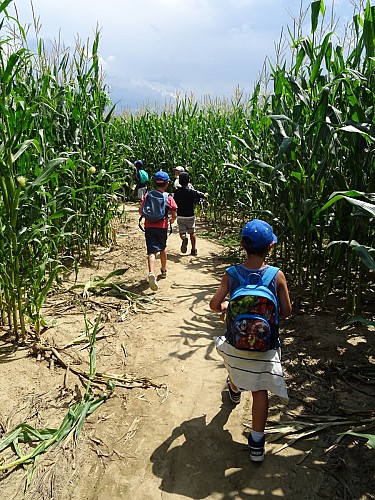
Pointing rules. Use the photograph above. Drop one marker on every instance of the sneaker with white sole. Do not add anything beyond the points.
(163, 274)
(234, 396)
(152, 282)
(256, 449)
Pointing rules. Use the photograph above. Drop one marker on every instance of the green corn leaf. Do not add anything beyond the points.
(116, 272)
(369, 31)
(232, 166)
(286, 144)
(359, 319)
(368, 208)
(260, 164)
(370, 437)
(30, 434)
(10, 437)
(49, 171)
(17, 448)
(241, 141)
(365, 256)
(4, 5)
(82, 416)
(317, 66)
(61, 213)
(316, 8)
(299, 59)
(355, 130)
(11, 63)
(362, 252)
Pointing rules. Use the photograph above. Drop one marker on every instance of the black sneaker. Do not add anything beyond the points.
(184, 245)
(256, 449)
(235, 397)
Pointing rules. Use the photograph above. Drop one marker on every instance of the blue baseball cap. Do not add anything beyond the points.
(259, 232)
(161, 176)
(138, 163)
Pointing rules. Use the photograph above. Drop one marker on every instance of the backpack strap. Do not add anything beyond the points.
(232, 271)
(269, 274)
(166, 196)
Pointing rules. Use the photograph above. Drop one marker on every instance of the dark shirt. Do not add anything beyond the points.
(186, 199)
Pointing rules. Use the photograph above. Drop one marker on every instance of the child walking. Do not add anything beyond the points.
(140, 177)
(186, 197)
(156, 233)
(258, 372)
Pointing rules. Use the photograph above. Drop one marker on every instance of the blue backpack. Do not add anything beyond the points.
(155, 207)
(253, 312)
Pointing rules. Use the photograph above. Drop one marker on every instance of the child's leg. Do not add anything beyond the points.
(233, 387)
(190, 224)
(259, 410)
(151, 274)
(163, 259)
(151, 263)
(193, 240)
(256, 438)
(233, 391)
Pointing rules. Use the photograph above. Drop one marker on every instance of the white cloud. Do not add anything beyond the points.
(157, 47)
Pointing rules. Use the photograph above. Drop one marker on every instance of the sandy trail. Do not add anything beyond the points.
(188, 441)
(191, 443)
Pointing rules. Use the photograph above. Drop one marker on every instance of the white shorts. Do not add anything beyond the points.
(141, 192)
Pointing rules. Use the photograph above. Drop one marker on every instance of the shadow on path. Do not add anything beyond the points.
(201, 458)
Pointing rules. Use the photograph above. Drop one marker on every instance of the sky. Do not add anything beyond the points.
(151, 50)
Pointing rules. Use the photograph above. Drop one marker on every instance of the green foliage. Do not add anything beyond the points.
(281, 154)
(278, 154)
(56, 170)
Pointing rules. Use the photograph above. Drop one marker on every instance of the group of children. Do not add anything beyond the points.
(180, 205)
(259, 372)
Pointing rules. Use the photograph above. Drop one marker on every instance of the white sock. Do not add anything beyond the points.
(257, 436)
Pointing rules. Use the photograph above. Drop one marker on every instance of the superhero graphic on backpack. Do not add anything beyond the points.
(252, 314)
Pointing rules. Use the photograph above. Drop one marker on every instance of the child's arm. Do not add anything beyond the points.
(141, 205)
(283, 296)
(172, 207)
(218, 302)
(173, 216)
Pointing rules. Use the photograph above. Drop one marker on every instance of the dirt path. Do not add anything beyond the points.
(191, 443)
(180, 446)
(186, 441)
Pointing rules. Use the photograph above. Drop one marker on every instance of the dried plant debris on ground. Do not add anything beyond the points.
(154, 358)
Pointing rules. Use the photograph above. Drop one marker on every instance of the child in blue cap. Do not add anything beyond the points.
(156, 233)
(258, 372)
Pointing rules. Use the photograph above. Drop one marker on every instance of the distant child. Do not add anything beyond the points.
(177, 171)
(258, 372)
(156, 233)
(140, 178)
(186, 199)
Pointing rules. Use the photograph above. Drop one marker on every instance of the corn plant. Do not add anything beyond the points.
(56, 170)
(362, 257)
